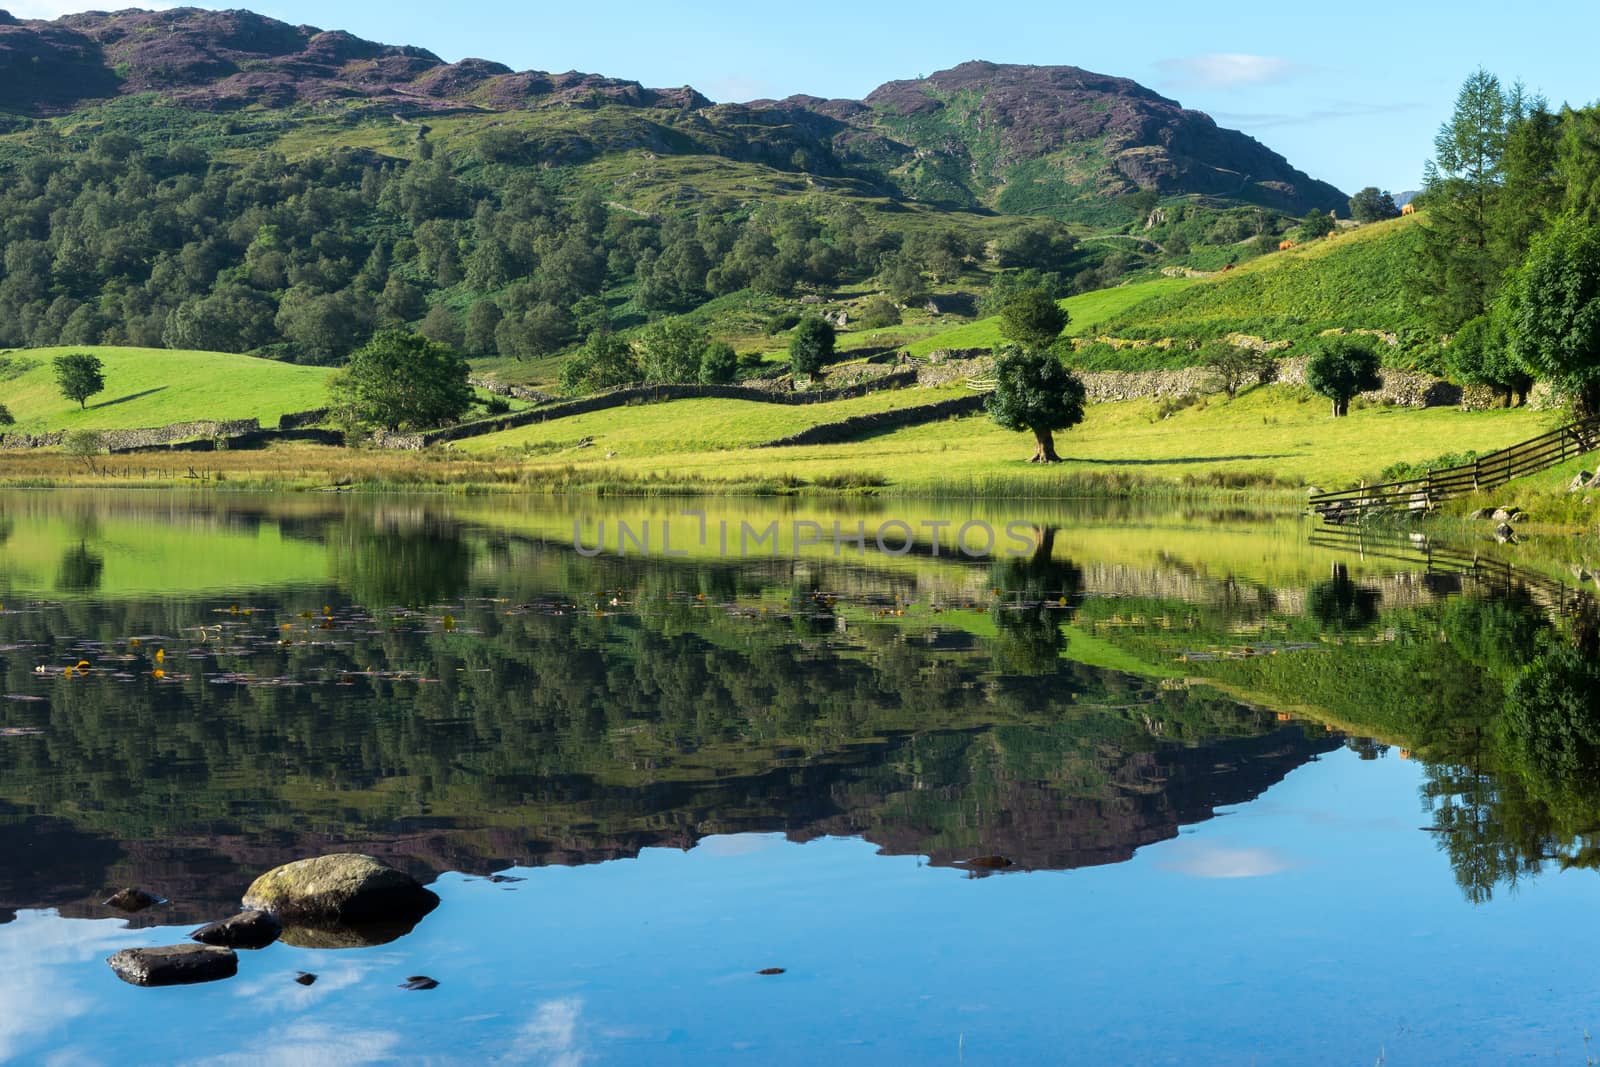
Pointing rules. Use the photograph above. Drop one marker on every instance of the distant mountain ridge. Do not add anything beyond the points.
(1016, 139)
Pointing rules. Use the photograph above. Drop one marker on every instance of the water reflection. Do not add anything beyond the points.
(452, 687)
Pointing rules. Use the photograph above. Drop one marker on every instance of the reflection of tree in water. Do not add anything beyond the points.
(1522, 788)
(1038, 593)
(80, 570)
(406, 564)
(1341, 604)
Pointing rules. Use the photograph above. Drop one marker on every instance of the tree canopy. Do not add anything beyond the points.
(80, 375)
(1373, 205)
(1032, 319)
(1554, 312)
(719, 364)
(1342, 368)
(400, 381)
(1035, 393)
(811, 345)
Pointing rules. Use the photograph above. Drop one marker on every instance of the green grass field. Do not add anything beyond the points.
(691, 425)
(156, 387)
(1089, 312)
(1355, 279)
(1272, 435)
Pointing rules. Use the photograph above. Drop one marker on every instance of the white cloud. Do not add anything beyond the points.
(1229, 70)
(551, 1037)
(1218, 861)
(314, 1044)
(36, 984)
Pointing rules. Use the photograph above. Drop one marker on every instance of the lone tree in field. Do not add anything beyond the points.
(400, 381)
(80, 376)
(1237, 366)
(1554, 322)
(6, 418)
(1342, 368)
(1034, 392)
(810, 346)
(1032, 319)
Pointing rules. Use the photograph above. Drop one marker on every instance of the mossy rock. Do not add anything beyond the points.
(340, 890)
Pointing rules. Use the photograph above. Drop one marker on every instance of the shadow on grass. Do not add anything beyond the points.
(125, 399)
(1174, 460)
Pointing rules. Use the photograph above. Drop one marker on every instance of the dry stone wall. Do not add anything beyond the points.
(132, 440)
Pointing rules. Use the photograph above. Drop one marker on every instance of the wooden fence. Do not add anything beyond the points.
(1494, 576)
(1486, 472)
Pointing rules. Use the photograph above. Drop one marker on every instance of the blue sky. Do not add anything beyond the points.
(1350, 93)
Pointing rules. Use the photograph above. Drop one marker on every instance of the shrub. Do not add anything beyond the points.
(781, 322)
(879, 312)
(719, 364)
(811, 346)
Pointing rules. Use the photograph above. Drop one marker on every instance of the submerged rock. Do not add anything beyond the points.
(340, 890)
(248, 929)
(770, 971)
(132, 900)
(419, 981)
(177, 965)
(305, 978)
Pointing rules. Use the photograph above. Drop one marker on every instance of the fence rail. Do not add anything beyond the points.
(1493, 575)
(1486, 472)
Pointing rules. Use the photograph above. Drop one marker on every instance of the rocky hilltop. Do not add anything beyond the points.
(1017, 139)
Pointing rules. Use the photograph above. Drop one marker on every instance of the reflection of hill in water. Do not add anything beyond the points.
(544, 709)
(890, 795)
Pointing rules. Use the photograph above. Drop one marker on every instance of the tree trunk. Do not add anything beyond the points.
(1046, 452)
(1341, 408)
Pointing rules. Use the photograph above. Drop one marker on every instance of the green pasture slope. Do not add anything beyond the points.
(1089, 312)
(1353, 280)
(156, 387)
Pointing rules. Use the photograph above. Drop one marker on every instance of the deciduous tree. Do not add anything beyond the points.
(1033, 320)
(1554, 312)
(80, 375)
(810, 345)
(400, 381)
(1342, 368)
(1035, 393)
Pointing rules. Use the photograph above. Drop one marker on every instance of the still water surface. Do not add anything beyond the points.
(1261, 799)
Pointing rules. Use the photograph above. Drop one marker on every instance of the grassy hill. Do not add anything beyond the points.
(1354, 279)
(1272, 435)
(1089, 313)
(156, 387)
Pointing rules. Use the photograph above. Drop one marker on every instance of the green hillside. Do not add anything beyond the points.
(155, 387)
(1089, 311)
(1353, 280)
